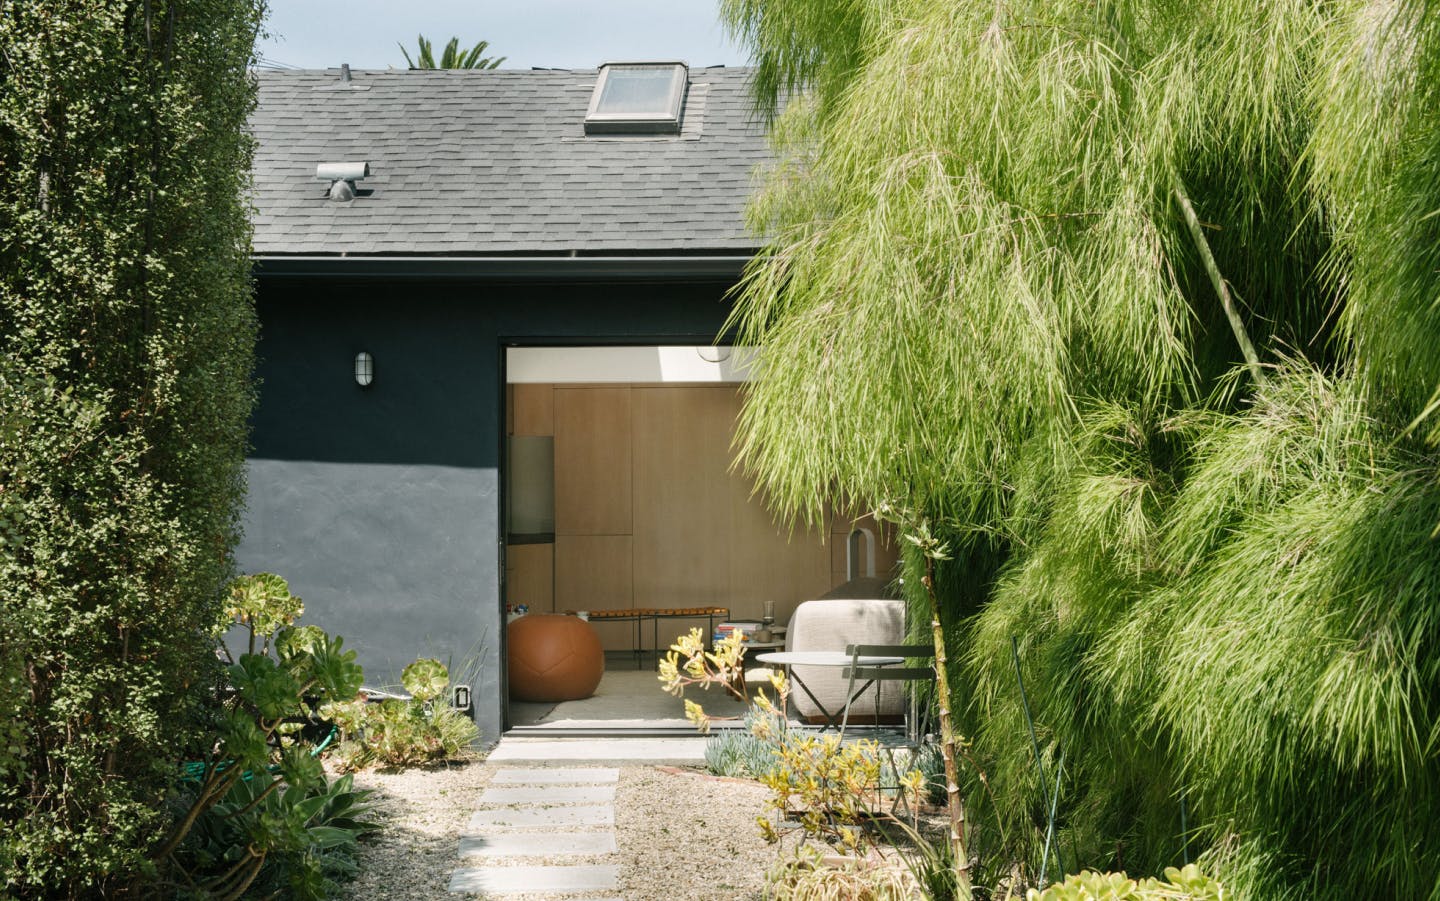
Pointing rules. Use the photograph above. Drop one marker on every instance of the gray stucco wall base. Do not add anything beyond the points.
(400, 559)
(381, 504)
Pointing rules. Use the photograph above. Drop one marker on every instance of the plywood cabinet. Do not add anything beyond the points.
(530, 576)
(684, 529)
(592, 461)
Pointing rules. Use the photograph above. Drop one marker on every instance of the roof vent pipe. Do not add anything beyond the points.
(342, 178)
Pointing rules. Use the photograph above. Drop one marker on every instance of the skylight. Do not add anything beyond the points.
(637, 98)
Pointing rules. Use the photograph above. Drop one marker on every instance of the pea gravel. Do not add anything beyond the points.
(681, 834)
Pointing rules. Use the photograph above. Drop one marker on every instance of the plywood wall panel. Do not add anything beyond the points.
(769, 561)
(682, 514)
(592, 572)
(649, 513)
(533, 409)
(530, 576)
(592, 461)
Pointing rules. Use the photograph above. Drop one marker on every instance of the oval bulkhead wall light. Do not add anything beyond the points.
(364, 369)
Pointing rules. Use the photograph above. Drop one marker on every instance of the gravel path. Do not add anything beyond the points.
(681, 835)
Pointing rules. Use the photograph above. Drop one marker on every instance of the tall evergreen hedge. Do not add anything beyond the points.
(126, 339)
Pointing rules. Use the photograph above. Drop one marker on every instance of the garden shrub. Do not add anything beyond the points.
(741, 753)
(311, 834)
(255, 809)
(398, 732)
(126, 341)
(806, 876)
(1188, 884)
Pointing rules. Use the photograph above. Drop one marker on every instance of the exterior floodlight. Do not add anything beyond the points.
(364, 369)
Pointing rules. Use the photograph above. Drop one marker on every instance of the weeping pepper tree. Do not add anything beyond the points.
(1134, 307)
(126, 339)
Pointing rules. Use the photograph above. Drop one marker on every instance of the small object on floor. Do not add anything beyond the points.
(554, 658)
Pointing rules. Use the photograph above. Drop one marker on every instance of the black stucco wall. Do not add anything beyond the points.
(381, 504)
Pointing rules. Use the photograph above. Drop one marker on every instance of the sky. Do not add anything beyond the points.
(568, 34)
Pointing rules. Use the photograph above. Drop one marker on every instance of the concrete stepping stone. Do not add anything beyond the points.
(555, 775)
(549, 794)
(537, 844)
(575, 815)
(514, 880)
(521, 800)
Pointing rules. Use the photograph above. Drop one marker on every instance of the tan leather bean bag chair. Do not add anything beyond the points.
(553, 658)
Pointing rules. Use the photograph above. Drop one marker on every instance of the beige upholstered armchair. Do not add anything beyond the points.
(833, 625)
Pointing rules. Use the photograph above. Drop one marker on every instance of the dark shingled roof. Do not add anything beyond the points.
(497, 162)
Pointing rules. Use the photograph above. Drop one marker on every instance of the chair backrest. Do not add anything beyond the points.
(891, 673)
(891, 650)
(831, 625)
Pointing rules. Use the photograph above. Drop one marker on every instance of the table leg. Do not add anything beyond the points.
(829, 717)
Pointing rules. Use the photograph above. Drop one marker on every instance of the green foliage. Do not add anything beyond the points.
(452, 57)
(741, 753)
(256, 811)
(982, 300)
(263, 604)
(311, 834)
(1188, 884)
(832, 788)
(126, 342)
(425, 679)
(402, 733)
(806, 876)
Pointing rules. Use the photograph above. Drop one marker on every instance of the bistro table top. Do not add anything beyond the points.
(823, 658)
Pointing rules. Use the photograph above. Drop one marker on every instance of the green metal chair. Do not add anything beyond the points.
(908, 677)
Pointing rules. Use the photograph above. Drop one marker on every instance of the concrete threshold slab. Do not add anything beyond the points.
(673, 751)
(514, 880)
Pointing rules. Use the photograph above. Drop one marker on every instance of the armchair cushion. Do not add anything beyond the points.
(831, 625)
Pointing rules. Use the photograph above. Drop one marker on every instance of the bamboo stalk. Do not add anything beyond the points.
(1217, 281)
(955, 805)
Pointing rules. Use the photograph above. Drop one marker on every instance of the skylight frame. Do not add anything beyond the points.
(660, 121)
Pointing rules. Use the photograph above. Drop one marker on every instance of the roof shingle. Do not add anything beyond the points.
(497, 162)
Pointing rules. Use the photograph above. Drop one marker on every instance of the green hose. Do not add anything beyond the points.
(194, 770)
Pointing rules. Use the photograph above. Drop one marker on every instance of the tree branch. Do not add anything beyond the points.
(1252, 360)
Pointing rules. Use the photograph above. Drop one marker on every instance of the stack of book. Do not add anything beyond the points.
(724, 630)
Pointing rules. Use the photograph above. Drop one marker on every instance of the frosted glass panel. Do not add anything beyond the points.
(638, 91)
(637, 98)
(532, 486)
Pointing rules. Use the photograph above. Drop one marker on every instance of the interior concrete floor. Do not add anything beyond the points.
(628, 698)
